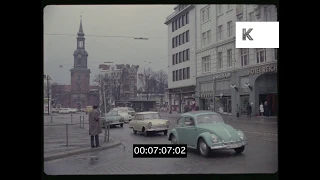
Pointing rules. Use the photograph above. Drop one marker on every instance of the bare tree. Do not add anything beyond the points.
(162, 82)
(148, 81)
(57, 92)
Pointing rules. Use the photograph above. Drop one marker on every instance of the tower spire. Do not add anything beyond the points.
(80, 33)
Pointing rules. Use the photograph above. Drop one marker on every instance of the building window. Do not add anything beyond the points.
(203, 15)
(244, 56)
(179, 20)
(261, 55)
(183, 55)
(266, 14)
(183, 34)
(180, 74)
(173, 76)
(188, 54)
(79, 77)
(208, 13)
(172, 42)
(173, 61)
(180, 57)
(219, 63)
(220, 32)
(177, 75)
(229, 56)
(209, 36)
(177, 58)
(240, 18)
(172, 24)
(176, 24)
(180, 40)
(275, 54)
(206, 64)
(204, 36)
(188, 73)
(182, 20)
(229, 28)
(187, 36)
(187, 18)
(219, 9)
(176, 45)
(251, 16)
(184, 73)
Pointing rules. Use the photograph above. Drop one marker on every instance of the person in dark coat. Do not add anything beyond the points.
(94, 126)
(185, 108)
(249, 110)
(266, 109)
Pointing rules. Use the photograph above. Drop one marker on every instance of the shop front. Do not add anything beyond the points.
(183, 96)
(254, 86)
(222, 92)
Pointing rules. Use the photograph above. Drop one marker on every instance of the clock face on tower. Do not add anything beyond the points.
(79, 56)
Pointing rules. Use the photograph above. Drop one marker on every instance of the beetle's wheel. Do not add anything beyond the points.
(203, 148)
(173, 140)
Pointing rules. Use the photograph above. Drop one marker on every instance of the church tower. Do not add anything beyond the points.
(80, 74)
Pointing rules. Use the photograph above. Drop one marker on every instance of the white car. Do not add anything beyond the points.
(124, 113)
(72, 110)
(55, 110)
(64, 111)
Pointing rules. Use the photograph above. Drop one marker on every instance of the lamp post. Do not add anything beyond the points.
(48, 94)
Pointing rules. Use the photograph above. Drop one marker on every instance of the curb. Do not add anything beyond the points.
(79, 151)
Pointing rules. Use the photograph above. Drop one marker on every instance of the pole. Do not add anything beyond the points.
(108, 131)
(67, 133)
(48, 94)
(71, 118)
(105, 132)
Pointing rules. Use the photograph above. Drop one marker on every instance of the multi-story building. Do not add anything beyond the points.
(120, 80)
(229, 78)
(181, 52)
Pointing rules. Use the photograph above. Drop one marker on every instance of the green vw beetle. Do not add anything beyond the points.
(206, 131)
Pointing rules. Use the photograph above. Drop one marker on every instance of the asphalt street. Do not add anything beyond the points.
(259, 156)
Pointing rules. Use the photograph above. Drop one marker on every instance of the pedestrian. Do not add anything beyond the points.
(185, 108)
(94, 126)
(261, 109)
(266, 109)
(249, 110)
(238, 110)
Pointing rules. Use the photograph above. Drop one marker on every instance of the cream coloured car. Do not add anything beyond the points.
(147, 122)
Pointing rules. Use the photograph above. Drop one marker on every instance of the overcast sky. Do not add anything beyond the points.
(106, 20)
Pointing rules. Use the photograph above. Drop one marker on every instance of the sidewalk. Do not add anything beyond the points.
(257, 119)
(55, 138)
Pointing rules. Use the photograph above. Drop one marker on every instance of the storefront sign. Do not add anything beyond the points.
(220, 76)
(263, 69)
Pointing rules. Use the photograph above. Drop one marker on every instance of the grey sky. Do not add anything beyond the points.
(106, 20)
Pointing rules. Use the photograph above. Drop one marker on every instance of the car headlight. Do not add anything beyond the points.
(215, 139)
(150, 124)
(167, 123)
(241, 135)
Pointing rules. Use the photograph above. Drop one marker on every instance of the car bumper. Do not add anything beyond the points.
(229, 145)
(157, 129)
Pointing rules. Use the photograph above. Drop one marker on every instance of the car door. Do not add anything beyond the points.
(190, 131)
(135, 122)
(179, 128)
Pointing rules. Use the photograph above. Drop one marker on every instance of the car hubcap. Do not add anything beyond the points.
(203, 148)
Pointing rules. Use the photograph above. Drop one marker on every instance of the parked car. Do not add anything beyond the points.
(206, 131)
(64, 111)
(124, 113)
(72, 110)
(55, 110)
(147, 122)
(114, 118)
(131, 111)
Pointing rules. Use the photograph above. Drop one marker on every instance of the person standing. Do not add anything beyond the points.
(94, 126)
(249, 110)
(266, 109)
(261, 109)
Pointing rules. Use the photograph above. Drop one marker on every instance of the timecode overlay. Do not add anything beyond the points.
(159, 150)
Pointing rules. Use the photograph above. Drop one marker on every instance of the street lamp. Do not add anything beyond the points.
(103, 92)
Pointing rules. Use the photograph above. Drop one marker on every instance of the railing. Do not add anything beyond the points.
(81, 125)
